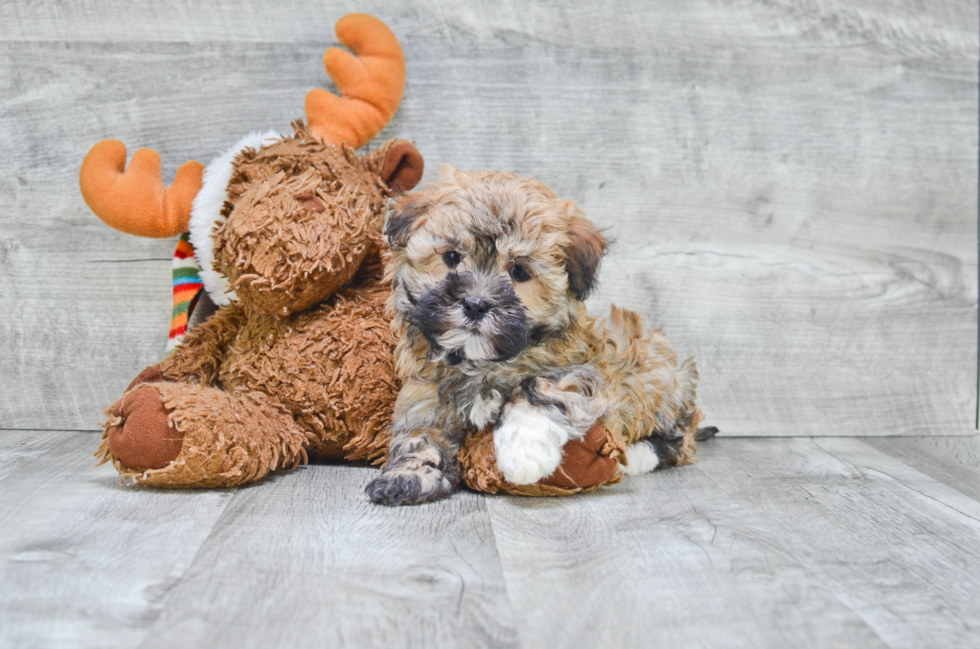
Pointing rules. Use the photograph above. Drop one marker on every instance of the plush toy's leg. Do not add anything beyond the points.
(586, 465)
(180, 435)
(533, 429)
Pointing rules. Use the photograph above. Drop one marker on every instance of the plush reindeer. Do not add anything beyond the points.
(297, 361)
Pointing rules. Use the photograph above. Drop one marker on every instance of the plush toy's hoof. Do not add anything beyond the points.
(582, 464)
(145, 439)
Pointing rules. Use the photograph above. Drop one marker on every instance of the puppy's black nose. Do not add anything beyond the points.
(475, 307)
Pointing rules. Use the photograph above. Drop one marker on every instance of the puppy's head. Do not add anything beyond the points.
(486, 264)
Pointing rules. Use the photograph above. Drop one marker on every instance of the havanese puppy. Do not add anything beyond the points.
(489, 272)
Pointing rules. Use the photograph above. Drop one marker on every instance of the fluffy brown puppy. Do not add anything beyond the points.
(489, 275)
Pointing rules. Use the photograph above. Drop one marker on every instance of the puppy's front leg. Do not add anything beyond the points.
(422, 463)
(420, 469)
(550, 410)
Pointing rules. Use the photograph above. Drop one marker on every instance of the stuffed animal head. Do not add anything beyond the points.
(298, 218)
(278, 222)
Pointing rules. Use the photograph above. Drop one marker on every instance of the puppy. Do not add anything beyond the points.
(489, 272)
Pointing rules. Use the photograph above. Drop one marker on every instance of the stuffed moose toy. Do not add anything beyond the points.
(296, 364)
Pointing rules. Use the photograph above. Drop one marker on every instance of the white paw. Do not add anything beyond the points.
(642, 458)
(528, 444)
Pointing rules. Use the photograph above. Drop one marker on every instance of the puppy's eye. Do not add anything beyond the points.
(452, 258)
(519, 273)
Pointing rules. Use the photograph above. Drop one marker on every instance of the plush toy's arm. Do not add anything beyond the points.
(197, 359)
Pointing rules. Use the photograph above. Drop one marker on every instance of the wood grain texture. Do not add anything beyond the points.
(793, 183)
(936, 29)
(85, 561)
(306, 560)
(954, 461)
(301, 559)
(764, 543)
(824, 542)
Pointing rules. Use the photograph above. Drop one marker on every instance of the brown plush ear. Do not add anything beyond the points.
(586, 246)
(403, 167)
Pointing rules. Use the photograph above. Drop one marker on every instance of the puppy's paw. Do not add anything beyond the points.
(409, 487)
(528, 444)
(642, 457)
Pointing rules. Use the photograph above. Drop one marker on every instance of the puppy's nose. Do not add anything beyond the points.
(475, 307)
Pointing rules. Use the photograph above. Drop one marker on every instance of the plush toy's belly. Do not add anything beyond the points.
(332, 366)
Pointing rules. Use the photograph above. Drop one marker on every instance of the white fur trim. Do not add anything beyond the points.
(206, 212)
(528, 443)
(642, 458)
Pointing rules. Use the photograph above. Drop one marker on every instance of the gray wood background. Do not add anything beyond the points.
(793, 185)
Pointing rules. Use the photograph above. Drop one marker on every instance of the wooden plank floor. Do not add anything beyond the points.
(793, 542)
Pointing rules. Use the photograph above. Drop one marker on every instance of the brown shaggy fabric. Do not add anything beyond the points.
(331, 366)
(301, 365)
(586, 465)
(319, 380)
(299, 221)
(198, 358)
(227, 439)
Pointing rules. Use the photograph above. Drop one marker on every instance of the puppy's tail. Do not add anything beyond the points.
(705, 433)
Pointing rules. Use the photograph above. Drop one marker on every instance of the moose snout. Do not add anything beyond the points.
(475, 307)
(311, 202)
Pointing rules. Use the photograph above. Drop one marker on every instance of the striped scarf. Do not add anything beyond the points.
(187, 289)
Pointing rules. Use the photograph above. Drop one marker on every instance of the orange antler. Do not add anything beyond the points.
(371, 83)
(134, 200)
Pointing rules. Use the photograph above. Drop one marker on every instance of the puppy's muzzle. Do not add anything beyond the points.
(474, 308)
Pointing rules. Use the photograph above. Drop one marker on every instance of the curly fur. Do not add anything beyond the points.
(554, 368)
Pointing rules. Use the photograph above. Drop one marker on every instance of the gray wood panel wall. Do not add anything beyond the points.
(792, 183)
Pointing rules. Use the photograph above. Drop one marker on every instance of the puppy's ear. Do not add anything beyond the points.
(586, 246)
(404, 215)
